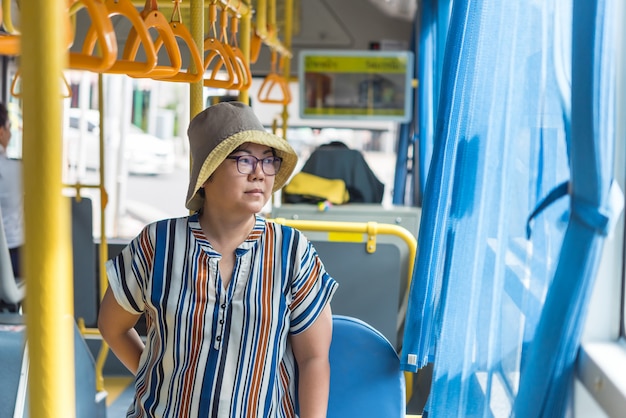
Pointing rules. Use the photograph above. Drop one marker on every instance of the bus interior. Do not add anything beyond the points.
(480, 153)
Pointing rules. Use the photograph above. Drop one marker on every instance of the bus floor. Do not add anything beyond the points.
(120, 393)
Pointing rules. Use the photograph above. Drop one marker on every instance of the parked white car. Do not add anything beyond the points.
(144, 153)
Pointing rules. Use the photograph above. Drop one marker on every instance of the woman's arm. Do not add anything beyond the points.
(311, 349)
(116, 326)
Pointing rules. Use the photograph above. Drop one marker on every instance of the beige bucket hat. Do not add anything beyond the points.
(216, 132)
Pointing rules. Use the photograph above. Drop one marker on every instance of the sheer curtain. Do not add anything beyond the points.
(489, 302)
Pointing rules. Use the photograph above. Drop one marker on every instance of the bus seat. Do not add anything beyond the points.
(370, 284)
(336, 161)
(373, 279)
(14, 366)
(86, 292)
(12, 289)
(365, 375)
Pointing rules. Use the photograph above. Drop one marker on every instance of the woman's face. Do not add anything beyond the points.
(232, 190)
(5, 134)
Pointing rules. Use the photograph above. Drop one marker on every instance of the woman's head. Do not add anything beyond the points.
(5, 126)
(243, 182)
(224, 133)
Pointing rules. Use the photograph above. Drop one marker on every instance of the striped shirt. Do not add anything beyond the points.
(213, 351)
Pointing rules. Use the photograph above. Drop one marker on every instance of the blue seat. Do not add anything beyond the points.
(365, 376)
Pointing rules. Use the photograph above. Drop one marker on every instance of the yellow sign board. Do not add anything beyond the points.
(356, 84)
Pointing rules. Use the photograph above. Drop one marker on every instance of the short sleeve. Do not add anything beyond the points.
(129, 272)
(312, 287)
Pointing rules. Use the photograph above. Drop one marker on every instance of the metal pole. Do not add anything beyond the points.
(47, 253)
(244, 43)
(287, 63)
(196, 28)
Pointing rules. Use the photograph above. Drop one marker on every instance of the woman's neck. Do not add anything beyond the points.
(226, 232)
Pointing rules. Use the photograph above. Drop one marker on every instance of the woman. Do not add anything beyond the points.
(11, 194)
(238, 314)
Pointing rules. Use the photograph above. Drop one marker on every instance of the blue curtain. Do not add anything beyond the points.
(547, 374)
(487, 301)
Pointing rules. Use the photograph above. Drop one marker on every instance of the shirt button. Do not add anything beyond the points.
(218, 338)
(223, 306)
(221, 321)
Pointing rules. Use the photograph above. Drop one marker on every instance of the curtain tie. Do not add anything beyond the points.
(601, 219)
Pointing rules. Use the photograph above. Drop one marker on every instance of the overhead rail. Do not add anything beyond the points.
(266, 31)
(237, 8)
(10, 42)
(227, 64)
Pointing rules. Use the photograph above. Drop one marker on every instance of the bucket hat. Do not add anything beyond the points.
(216, 132)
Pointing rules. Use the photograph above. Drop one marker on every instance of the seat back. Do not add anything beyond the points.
(12, 289)
(372, 263)
(86, 291)
(365, 376)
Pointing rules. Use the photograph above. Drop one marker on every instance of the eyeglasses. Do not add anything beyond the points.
(246, 164)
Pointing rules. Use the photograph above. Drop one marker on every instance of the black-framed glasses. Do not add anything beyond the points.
(246, 164)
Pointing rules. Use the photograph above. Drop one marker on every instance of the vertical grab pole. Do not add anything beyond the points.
(196, 90)
(47, 252)
(196, 28)
(287, 62)
(103, 249)
(245, 34)
(261, 18)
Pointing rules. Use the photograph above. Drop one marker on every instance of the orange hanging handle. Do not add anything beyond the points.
(237, 80)
(153, 18)
(16, 91)
(217, 51)
(272, 80)
(240, 59)
(256, 42)
(181, 31)
(101, 31)
(125, 66)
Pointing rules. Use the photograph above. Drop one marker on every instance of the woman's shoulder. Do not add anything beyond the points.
(167, 223)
